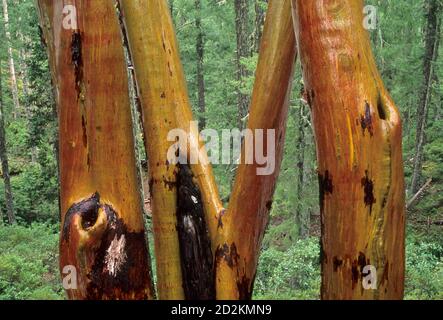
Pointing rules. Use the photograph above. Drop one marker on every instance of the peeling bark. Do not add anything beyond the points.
(98, 241)
(102, 232)
(165, 106)
(358, 137)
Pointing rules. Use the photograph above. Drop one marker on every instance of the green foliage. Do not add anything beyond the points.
(290, 274)
(28, 263)
(424, 265)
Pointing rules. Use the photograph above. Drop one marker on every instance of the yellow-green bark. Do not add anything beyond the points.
(166, 106)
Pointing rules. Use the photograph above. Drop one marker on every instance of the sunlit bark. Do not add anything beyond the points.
(166, 106)
(358, 136)
(241, 229)
(102, 229)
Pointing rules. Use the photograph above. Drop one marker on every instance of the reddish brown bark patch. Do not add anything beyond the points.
(325, 187)
(357, 268)
(368, 187)
(366, 120)
(385, 275)
(227, 253)
(120, 264)
(220, 219)
(244, 287)
(337, 263)
(113, 265)
(77, 59)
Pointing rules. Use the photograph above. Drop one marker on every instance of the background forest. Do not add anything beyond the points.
(219, 41)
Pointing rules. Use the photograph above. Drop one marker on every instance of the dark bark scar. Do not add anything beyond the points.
(368, 187)
(366, 120)
(77, 60)
(325, 187)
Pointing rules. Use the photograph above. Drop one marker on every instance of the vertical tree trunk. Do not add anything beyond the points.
(184, 257)
(359, 149)
(241, 229)
(432, 37)
(171, 9)
(439, 109)
(241, 29)
(200, 65)
(259, 22)
(23, 67)
(9, 201)
(303, 227)
(14, 87)
(102, 233)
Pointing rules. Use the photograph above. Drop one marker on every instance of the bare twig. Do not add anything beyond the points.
(419, 192)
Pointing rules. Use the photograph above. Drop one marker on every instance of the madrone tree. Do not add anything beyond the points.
(203, 250)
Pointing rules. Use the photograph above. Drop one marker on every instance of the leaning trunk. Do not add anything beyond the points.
(359, 150)
(241, 229)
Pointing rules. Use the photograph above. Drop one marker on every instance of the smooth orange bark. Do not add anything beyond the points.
(358, 137)
(242, 228)
(102, 232)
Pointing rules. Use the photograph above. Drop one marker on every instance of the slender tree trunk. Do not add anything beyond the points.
(359, 151)
(439, 109)
(200, 66)
(24, 79)
(302, 225)
(432, 37)
(171, 8)
(259, 22)
(4, 159)
(22, 62)
(13, 76)
(185, 200)
(102, 228)
(241, 28)
(241, 229)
